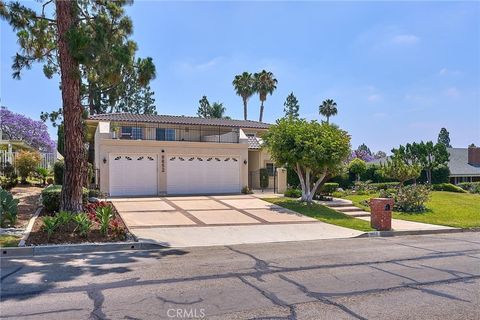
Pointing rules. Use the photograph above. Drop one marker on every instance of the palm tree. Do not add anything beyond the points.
(264, 83)
(217, 110)
(243, 84)
(328, 108)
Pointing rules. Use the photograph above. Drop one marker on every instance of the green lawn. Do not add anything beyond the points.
(9, 241)
(460, 210)
(322, 213)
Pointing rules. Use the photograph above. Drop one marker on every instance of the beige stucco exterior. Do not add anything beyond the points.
(106, 144)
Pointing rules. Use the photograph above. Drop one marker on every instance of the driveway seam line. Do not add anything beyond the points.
(240, 210)
(184, 212)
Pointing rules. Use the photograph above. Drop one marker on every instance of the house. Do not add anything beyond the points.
(171, 155)
(464, 164)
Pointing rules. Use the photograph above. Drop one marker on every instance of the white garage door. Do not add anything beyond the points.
(133, 174)
(203, 175)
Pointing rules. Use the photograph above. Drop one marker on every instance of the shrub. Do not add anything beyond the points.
(49, 226)
(84, 224)
(264, 178)
(90, 174)
(411, 198)
(42, 173)
(357, 167)
(95, 193)
(246, 190)
(447, 187)
(63, 218)
(51, 197)
(8, 208)
(117, 231)
(293, 193)
(9, 179)
(440, 174)
(58, 168)
(383, 185)
(473, 187)
(328, 188)
(104, 216)
(26, 163)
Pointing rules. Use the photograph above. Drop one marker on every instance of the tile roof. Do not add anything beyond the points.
(179, 120)
(458, 163)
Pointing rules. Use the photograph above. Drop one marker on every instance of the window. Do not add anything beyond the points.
(165, 134)
(270, 169)
(137, 133)
(132, 133)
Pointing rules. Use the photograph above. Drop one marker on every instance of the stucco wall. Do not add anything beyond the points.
(105, 146)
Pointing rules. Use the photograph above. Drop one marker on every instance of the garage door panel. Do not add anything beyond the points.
(202, 175)
(133, 174)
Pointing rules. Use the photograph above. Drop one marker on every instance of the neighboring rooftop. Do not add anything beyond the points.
(458, 163)
(178, 120)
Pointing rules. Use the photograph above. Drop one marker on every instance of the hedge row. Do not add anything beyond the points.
(51, 197)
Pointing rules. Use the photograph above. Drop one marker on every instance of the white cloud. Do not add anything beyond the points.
(405, 39)
(199, 66)
(452, 92)
(448, 72)
(374, 97)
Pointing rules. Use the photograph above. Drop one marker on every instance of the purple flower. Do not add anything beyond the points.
(16, 126)
(361, 154)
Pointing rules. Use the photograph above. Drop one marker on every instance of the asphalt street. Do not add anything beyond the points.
(410, 277)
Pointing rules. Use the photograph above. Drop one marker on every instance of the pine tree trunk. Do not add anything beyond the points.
(261, 111)
(71, 199)
(245, 109)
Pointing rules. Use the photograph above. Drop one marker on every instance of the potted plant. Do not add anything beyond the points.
(115, 129)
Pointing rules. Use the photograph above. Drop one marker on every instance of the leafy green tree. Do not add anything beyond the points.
(444, 137)
(425, 154)
(328, 108)
(363, 147)
(291, 106)
(264, 84)
(204, 107)
(315, 151)
(217, 110)
(357, 166)
(244, 87)
(380, 155)
(86, 42)
(400, 171)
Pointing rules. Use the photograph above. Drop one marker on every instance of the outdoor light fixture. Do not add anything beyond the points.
(244, 161)
(104, 160)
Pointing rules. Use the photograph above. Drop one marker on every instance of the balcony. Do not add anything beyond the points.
(171, 133)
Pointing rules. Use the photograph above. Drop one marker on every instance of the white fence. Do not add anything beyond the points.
(47, 159)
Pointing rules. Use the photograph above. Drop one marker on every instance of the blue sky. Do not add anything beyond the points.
(398, 71)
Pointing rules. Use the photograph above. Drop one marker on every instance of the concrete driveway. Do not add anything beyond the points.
(219, 220)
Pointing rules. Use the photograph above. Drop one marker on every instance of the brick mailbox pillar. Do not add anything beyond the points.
(381, 213)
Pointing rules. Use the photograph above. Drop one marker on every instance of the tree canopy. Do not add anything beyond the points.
(328, 108)
(357, 166)
(291, 106)
(207, 110)
(264, 84)
(315, 151)
(444, 137)
(244, 87)
(15, 126)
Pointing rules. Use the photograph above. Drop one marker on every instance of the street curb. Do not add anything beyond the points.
(376, 234)
(32, 251)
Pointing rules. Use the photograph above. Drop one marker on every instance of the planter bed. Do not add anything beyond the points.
(65, 234)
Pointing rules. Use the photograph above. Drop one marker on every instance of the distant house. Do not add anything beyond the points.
(464, 164)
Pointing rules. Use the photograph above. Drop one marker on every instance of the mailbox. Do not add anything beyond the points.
(381, 213)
